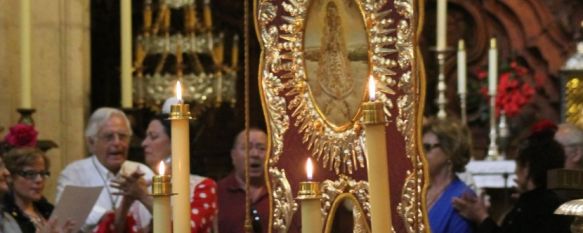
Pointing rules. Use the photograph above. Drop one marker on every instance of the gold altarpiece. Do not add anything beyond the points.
(316, 58)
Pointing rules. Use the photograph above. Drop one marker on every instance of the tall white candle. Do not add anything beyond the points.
(441, 24)
(492, 67)
(126, 53)
(25, 82)
(180, 164)
(377, 163)
(461, 68)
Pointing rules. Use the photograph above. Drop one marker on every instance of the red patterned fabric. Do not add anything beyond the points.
(106, 225)
(203, 205)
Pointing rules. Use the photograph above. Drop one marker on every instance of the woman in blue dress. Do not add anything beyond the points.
(447, 145)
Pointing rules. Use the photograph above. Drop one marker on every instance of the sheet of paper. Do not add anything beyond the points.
(75, 204)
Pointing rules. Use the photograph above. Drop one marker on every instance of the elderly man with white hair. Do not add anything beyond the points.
(571, 137)
(108, 135)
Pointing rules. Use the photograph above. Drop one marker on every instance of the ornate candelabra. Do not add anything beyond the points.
(493, 153)
(441, 87)
(197, 50)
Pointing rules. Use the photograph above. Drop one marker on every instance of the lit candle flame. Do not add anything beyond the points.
(309, 169)
(161, 168)
(178, 92)
(371, 88)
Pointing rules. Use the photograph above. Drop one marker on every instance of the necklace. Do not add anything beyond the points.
(37, 220)
(105, 183)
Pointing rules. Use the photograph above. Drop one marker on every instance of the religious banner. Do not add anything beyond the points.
(316, 61)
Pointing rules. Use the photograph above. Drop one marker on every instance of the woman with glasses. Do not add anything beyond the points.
(447, 147)
(30, 169)
(157, 149)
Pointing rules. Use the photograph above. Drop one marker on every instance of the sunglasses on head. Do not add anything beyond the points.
(429, 146)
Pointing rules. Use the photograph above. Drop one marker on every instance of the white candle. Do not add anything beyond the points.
(492, 67)
(441, 24)
(377, 163)
(126, 53)
(461, 68)
(161, 205)
(25, 82)
(311, 205)
(180, 166)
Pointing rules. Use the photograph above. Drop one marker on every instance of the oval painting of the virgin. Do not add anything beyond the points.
(336, 59)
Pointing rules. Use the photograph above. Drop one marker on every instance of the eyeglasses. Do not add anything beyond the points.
(111, 136)
(31, 175)
(428, 146)
(255, 221)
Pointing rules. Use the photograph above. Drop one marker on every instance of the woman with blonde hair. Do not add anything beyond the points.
(447, 145)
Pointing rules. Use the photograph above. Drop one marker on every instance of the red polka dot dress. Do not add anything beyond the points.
(203, 205)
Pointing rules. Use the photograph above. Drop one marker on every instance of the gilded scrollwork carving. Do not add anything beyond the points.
(410, 206)
(283, 201)
(336, 148)
(288, 91)
(331, 189)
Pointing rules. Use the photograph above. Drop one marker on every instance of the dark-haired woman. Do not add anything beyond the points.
(533, 212)
(157, 148)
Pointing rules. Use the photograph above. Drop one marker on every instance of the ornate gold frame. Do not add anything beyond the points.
(392, 38)
(333, 192)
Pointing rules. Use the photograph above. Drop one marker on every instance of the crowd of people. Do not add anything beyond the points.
(454, 207)
(124, 204)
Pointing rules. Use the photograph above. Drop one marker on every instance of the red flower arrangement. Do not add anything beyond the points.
(513, 91)
(21, 135)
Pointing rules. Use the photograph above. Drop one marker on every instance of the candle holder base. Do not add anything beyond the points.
(309, 190)
(26, 116)
(372, 113)
(180, 112)
(493, 153)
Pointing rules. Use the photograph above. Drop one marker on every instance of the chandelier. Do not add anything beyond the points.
(193, 55)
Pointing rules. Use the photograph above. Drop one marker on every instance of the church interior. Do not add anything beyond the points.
(238, 63)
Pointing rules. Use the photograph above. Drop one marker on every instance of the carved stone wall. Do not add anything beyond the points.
(60, 75)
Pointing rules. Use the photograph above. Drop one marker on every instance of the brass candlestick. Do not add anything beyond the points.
(179, 112)
(26, 115)
(463, 108)
(493, 153)
(372, 113)
(161, 185)
(309, 190)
